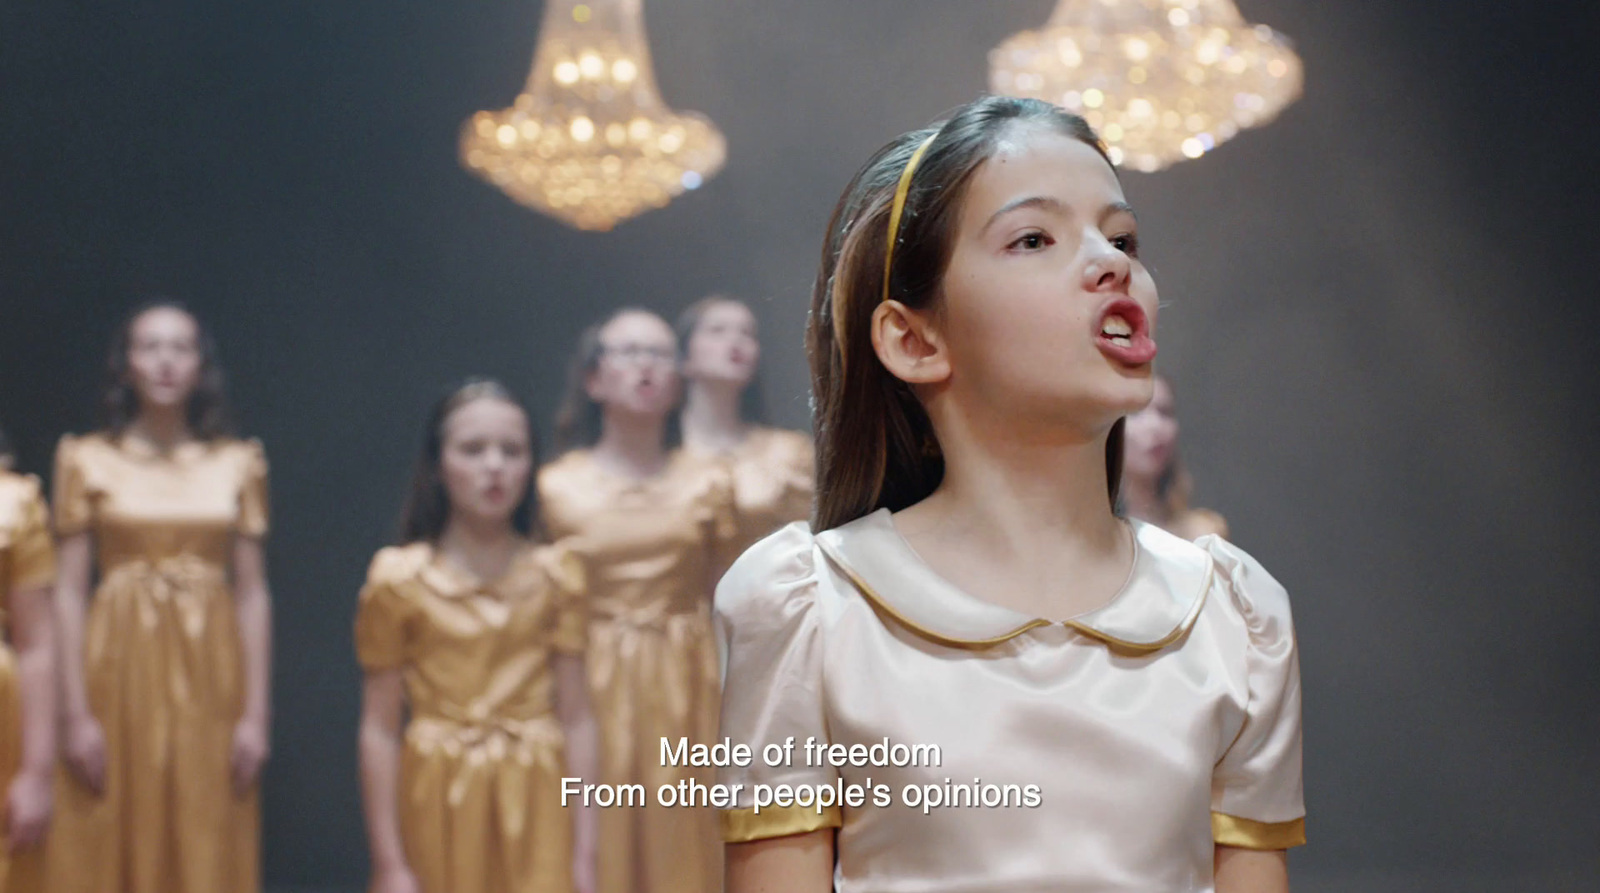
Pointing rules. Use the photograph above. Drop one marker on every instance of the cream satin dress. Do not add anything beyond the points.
(1159, 725)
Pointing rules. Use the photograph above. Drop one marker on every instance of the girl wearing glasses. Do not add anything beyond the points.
(653, 525)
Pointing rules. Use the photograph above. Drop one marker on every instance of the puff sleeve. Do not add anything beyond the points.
(73, 500)
(253, 499)
(770, 632)
(33, 557)
(569, 627)
(1257, 795)
(800, 477)
(720, 518)
(384, 613)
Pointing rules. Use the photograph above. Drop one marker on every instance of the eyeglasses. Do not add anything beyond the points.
(641, 353)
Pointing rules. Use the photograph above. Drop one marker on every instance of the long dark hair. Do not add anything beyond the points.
(207, 413)
(752, 404)
(7, 457)
(427, 506)
(875, 445)
(579, 419)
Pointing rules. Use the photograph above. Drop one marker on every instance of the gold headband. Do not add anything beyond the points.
(900, 193)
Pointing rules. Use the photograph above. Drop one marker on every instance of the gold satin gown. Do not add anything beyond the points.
(163, 667)
(773, 474)
(27, 561)
(480, 775)
(652, 549)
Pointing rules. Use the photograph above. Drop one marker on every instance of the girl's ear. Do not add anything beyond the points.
(909, 344)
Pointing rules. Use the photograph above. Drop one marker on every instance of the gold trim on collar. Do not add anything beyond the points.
(883, 605)
(745, 825)
(1086, 624)
(1230, 830)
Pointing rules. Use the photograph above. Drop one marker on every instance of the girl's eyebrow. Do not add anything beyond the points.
(1043, 202)
(1046, 203)
(1118, 208)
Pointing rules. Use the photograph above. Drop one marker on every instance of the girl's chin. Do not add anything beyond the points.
(727, 377)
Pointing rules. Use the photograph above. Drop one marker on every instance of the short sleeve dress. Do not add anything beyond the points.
(480, 776)
(652, 549)
(27, 562)
(1151, 729)
(773, 474)
(163, 666)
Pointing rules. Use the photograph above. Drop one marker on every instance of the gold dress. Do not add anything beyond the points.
(163, 666)
(651, 549)
(27, 561)
(480, 776)
(773, 479)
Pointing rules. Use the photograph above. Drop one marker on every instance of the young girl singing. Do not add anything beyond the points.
(981, 324)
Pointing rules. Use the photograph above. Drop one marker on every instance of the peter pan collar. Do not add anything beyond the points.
(450, 581)
(1155, 607)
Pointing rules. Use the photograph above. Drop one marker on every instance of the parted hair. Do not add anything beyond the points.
(876, 447)
(427, 507)
(208, 414)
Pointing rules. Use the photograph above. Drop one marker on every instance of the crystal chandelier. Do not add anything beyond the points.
(589, 141)
(1160, 80)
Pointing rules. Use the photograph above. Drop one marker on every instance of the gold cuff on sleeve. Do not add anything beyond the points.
(744, 825)
(1229, 830)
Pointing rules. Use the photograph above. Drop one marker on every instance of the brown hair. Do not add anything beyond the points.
(427, 506)
(875, 445)
(207, 413)
(579, 419)
(752, 407)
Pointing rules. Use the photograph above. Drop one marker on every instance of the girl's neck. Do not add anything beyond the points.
(164, 428)
(632, 445)
(1024, 498)
(1023, 518)
(482, 547)
(1143, 502)
(711, 419)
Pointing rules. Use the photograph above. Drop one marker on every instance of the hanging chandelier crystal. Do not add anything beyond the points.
(1160, 80)
(590, 141)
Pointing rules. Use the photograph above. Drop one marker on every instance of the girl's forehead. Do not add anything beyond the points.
(1048, 163)
(727, 311)
(484, 410)
(163, 320)
(637, 325)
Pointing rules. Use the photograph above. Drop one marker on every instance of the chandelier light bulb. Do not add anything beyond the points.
(1161, 81)
(589, 141)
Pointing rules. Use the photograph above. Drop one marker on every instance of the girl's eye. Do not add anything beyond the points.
(1127, 243)
(1031, 242)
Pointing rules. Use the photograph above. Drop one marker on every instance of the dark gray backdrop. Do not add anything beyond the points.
(1380, 323)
